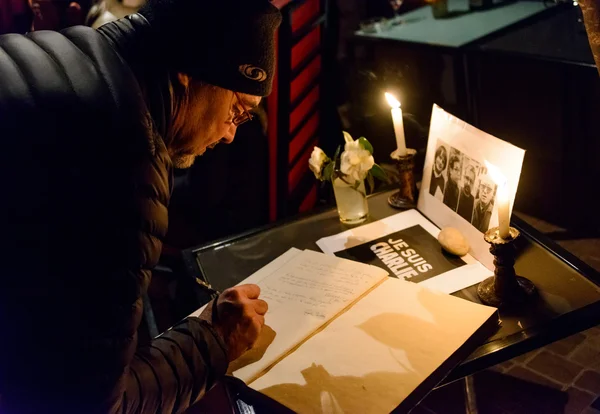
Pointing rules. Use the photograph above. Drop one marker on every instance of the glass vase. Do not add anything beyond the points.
(351, 202)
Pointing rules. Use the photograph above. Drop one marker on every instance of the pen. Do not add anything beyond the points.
(208, 288)
(205, 285)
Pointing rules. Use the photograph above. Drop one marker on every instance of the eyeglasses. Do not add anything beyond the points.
(486, 188)
(244, 116)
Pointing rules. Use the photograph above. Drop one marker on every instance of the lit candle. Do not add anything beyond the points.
(398, 123)
(503, 210)
(501, 200)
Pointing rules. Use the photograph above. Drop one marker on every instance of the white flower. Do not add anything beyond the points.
(356, 161)
(347, 137)
(316, 161)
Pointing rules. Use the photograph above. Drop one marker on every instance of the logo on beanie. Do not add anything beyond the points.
(253, 72)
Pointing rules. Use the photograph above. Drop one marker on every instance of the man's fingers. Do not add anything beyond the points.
(258, 321)
(260, 306)
(252, 291)
(261, 321)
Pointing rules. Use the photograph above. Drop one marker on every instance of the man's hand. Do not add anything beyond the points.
(240, 318)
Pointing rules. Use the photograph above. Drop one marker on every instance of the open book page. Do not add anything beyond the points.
(303, 295)
(373, 356)
(262, 272)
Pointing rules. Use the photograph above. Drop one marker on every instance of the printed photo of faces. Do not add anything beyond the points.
(462, 184)
(438, 173)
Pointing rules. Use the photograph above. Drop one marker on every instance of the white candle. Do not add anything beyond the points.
(502, 200)
(503, 210)
(398, 123)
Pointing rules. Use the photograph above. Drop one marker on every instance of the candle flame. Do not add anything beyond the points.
(394, 103)
(495, 174)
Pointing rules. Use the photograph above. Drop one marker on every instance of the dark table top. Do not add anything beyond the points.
(569, 299)
(559, 36)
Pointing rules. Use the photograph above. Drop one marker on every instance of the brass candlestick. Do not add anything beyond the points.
(406, 196)
(505, 288)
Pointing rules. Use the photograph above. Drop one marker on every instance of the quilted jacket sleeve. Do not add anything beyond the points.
(86, 219)
(176, 370)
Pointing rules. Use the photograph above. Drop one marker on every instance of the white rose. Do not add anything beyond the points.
(316, 161)
(356, 161)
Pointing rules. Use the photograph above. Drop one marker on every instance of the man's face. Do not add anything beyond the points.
(205, 120)
(455, 171)
(439, 163)
(469, 180)
(486, 191)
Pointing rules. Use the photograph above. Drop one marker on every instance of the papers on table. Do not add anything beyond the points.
(414, 241)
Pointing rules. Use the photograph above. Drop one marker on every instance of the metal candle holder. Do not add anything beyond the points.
(505, 288)
(406, 196)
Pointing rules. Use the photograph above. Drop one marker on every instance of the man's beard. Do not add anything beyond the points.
(184, 161)
(187, 160)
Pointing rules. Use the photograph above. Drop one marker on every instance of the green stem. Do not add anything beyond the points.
(341, 177)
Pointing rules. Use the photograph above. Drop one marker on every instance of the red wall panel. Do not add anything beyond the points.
(305, 13)
(306, 46)
(305, 77)
(302, 110)
(310, 200)
(299, 170)
(307, 132)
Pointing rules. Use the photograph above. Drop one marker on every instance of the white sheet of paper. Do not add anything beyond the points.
(374, 355)
(262, 272)
(448, 282)
(304, 294)
(472, 147)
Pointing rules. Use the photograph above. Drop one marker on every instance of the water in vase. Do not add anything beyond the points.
(351, 203)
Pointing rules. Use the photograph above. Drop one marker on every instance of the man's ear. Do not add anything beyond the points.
(184, 79)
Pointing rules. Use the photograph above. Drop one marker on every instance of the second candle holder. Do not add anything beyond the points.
(406, 196)
(505, 288)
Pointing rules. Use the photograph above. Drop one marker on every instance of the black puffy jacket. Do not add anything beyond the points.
(85, 187)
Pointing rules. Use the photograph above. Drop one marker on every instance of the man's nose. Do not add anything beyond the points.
(229, 137)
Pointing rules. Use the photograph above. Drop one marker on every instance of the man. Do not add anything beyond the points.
(483, 208)
(92, 123)
(466, 199)
(438, 183)
(451, 191)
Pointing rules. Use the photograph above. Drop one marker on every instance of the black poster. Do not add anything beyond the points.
(412, 254)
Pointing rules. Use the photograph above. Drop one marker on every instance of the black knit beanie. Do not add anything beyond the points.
(227, 43)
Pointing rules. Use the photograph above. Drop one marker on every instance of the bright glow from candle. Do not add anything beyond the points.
(398, 123)
(394, 103)
(495, 173)
(501, 199)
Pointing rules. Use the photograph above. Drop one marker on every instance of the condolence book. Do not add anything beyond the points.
(343, 337)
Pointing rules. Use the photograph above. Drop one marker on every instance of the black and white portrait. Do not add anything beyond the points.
(463, 185)
(484, 203)
(451, 191)
(438, 172)
(466, 198)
